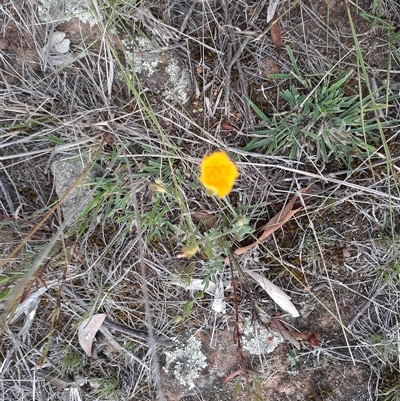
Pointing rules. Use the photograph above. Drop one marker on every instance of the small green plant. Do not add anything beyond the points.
(321, 117)
(218, 174)
(293, 358)
(389, 272)
(392, 394)
(108, 387)
(386, 349)
(73, 362)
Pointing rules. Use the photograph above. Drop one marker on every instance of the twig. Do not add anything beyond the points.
(366, 305)
(237, 335)
(4, 189)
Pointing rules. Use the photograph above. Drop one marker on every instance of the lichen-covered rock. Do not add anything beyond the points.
(65, 173)
(65, 10)
(161, 71)
(200, 364)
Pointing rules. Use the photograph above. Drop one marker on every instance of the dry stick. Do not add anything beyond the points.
(238, 53)
(236, 332)
(228, 81)
(228, 57)
(366, 305)
(11, 303)
(237, 336)
(245, 92)
(187, 16)
(4, 189)
(143, 13)
(151, 339)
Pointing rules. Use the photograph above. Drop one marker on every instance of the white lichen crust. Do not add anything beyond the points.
(65, 10)
(187, 362)
(262, 342)
(161, 70)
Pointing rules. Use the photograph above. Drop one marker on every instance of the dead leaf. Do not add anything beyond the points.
(219, 305)
(88, 329)
(57, 50)
(77, 256)
(271, 11)
(207, 218)
(276, 32)
(287, 332)
(56, 381)
(278, 220)
(268, 66)
(58, 43)
(278, 295)
(227, 127)
(28, 306)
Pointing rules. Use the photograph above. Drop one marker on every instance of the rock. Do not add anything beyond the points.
(200, 364)
(65, 173)
(161, 71)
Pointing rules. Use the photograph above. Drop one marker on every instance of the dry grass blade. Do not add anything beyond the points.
(56, 381)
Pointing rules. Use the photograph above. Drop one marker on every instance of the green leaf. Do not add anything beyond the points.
(188, 308)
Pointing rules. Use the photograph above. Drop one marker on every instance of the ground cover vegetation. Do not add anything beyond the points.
(177, 176)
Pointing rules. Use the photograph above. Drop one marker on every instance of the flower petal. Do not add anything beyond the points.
(218, 173)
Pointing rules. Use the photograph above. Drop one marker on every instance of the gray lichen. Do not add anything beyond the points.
(187, 362)
(262, 341)
(65, 173)
(65, 10)
(161, 70)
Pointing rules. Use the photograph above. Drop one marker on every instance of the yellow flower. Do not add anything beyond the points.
(218, 173)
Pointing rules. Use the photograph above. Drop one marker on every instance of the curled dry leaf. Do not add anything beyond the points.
(278, 296)
(196, 284)
(207, 218)
(28, 306)
(287, 331)
(219, 305)
(56, 381)
(346, 253)
(276, 32)
(88, 329)
(228, 127)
